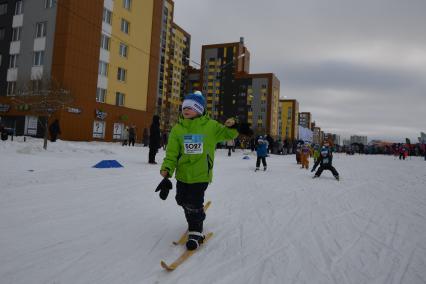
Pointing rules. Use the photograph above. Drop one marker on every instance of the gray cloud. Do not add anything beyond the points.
(358, 66)
(344, 75)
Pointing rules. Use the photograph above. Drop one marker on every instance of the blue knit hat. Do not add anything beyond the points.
(195, 102)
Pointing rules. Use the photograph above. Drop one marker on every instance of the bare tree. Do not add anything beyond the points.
(43, 97)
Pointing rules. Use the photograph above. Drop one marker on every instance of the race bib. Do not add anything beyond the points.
(193, 144)
(325, 161)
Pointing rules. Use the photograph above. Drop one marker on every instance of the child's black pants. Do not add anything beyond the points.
(263, 161)
(330, 168)
(191, 197)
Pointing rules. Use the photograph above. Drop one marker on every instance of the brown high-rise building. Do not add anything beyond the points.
(105, 52)
(231, 91)
(305, 119)
(193, 81)
(220, 63)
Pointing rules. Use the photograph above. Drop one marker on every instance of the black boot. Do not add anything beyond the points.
(195, 239)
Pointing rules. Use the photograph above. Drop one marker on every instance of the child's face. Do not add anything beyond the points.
(189, 113)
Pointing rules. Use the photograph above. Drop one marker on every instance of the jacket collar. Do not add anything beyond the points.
(199, 120)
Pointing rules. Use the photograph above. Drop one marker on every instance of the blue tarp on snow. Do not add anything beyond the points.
(105, 164)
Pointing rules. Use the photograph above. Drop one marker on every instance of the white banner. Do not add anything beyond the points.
(305, 134)
(31, 123)
(99, 129)
(118, 131)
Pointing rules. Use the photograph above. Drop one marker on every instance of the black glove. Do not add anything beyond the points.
(244, 129)
(164, 187)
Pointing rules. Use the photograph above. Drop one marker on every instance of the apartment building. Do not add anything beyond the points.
(193, 80)
(220, 63)
(105, 52)
(257, 102)
(305, 119)
(289, 119)
(358, 139)
(174, 62)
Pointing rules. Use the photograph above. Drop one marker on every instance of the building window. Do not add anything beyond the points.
(127, 4)
(121, 74)
(107, 16)
(40, 30)
(123, 49)
(105, 41)
(3, 9)
(16, 34)
(49, 4)
(38, 58)
(101, 95)
(11, 88)
(13, 61)
(2, 33)
(119, 99)
(18, 8)
(103, 68)
(125, 26)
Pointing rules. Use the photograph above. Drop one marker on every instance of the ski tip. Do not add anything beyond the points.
(208, 236)
(165, 266)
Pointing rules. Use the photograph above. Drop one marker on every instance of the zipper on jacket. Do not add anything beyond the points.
(209, 164)
(177, 161)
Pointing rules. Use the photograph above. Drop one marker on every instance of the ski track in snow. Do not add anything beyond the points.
(62, 221)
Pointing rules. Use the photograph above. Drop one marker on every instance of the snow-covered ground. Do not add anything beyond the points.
(62, 221)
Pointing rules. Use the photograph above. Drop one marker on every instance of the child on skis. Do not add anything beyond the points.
(190, 155)
(305, 153)
(262, 152)
(298, 154)
(316, 153)
(325, 161)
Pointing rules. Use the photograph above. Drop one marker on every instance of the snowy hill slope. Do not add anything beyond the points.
(62, 221)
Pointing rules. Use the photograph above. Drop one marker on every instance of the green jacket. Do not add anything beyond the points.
(316, 154)
(191, 147)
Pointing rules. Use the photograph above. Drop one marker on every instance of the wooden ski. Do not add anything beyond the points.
(184, 256)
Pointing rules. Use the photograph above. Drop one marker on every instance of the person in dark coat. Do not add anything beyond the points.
(154, 139)
(145, 137)
(270, 143)
(54, 130)
(326, 163)
(132, 135)
(253, 144)
(165, 138)
(3, 133)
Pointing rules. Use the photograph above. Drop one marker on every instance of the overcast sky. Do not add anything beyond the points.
(359, 66)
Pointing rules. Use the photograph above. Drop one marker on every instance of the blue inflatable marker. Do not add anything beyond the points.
(106, 164)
